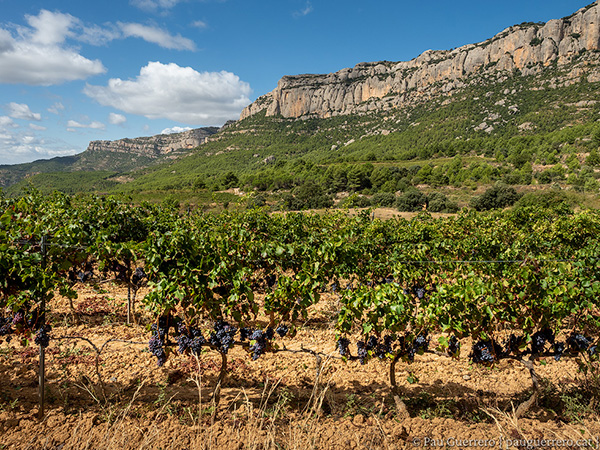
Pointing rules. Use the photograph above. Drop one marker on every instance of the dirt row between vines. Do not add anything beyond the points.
(272, 402)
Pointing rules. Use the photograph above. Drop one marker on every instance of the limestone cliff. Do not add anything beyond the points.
(528, 48)
(155, 146)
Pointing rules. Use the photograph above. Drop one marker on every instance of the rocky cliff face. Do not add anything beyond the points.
(155, 146)
(529, 48)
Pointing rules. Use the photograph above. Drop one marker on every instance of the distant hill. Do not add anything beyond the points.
(118, 156)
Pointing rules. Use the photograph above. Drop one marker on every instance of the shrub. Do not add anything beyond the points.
(412, 200)
(385, 199)
(498, 196)
(440, 203)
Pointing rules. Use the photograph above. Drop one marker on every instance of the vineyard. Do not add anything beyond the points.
(239, 302)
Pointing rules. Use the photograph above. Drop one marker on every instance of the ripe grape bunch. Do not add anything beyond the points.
(539, 339)
(485, 352)
(41, 336)
(342, 347)
(5, 328)
(420, 345)
(138, 276)
(222, 337)
(453, 347)
(157, 343)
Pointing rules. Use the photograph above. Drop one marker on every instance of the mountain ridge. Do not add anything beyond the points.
(377, 86)
(117, 155)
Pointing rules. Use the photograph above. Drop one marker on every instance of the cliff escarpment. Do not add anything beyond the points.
(155, 146)
(528, 49)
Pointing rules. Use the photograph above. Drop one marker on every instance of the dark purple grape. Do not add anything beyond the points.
(578, 342)
(155, 345)
(41, 336)
(282, 330)
(245, 333)
(453, 347)
(372, 342)
(362, 352)
(342, 346)
(269, 333)
(484, 352)
(539, 339)
(559, 348)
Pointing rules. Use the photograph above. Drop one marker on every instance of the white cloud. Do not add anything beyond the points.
(200, 24)
(175, 130)
(154, 5)
(116, 119)
(56, 108)
(50, 28)
(18, 148)
(157, 36)
(22, 111)
(178, 93)
(6, 122)
(38, 56)
(305, 11)
(93, 125)
(35, 127)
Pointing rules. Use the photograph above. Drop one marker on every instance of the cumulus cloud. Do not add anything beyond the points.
(116, 119)
(175, 130)
(35, 127)
(157, 36)
(178, 93)
(93, 125)
(38, 56)
(22, 111)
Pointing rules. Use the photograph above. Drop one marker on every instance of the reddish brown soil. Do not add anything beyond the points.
(269, 403)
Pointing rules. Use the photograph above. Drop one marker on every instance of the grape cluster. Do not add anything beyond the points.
(245, 333)
(155, 345)
(419, 292)
(453, 347)
(6, 328)
(385, 347)
(119, 270)
(259, 346)
(222, 336)
(419, 345)
(539, 339)
(559, 349)
(160, 335)
(41, 336)
(362, 352)
(484, 352)
(282, 330)
(19, 318)
(578, 342)
(342, 346)
(138, 276)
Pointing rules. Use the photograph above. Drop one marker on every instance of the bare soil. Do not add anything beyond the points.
(274, 402)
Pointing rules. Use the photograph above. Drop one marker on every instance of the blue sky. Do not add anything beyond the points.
(72, 72)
